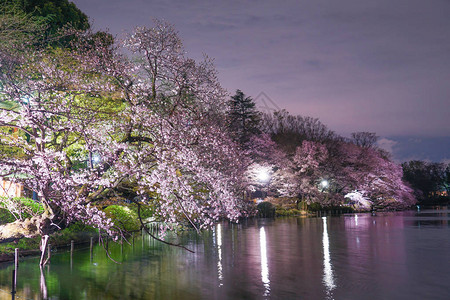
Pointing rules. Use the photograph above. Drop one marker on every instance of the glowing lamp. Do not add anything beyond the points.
(263, 175)
(96, 159)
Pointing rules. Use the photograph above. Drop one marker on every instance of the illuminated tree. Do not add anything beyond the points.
(367, 171)
(94, 124)
(314, 155)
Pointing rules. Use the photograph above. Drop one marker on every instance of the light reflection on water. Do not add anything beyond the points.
(388, 256)
(327, 270)
(264, 265)
(219, 250)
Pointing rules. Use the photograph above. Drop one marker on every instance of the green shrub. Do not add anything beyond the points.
(266, 210)
(281, 212)
(26, 206)
(302, 205)
(77, 231)
(23, 244)
(35, 207)
(6, 216)
(284, 202)
(146, 211)
(123, 217)
(315, 206)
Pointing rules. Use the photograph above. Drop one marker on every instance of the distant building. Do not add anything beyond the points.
(439, 193)
(10, 189)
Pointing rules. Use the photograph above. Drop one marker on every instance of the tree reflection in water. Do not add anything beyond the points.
(43, 284)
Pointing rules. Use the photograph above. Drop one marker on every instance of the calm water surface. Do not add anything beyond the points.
(402, 255)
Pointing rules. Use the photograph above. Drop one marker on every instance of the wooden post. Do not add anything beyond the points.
(91, 248)
(71, 254)
(16, 258)
(13, 285)
(16, 267)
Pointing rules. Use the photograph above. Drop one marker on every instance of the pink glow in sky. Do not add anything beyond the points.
(378, 66)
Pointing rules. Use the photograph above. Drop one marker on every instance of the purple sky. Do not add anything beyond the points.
(358, 65)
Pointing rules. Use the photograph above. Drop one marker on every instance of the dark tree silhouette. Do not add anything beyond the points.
(243, 118)
(364, 139)
(58, 13)
(426, 177)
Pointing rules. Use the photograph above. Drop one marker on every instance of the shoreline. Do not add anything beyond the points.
(9, 257)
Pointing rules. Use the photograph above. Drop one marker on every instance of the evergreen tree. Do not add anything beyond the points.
(58, 13)
(243, 118)
(58, 16)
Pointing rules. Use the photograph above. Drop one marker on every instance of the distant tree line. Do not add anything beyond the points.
(310, 163)
(430, 180)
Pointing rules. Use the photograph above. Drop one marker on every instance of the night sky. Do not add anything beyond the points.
(357, 65)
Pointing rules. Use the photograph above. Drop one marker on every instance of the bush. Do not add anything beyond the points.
(302, 205)
(315, 206)
(23, 244)
(77, 231)
(281, 212)
(26, 206)
(266, 210)
(284, 202)
(123, 217)
(6, 216)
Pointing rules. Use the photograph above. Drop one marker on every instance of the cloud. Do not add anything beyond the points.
(379, 66)
(387, 145)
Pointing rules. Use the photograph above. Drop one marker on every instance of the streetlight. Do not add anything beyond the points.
(96, 159)
(324, 184)
(263, 175)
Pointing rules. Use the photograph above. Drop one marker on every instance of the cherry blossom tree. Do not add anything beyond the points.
(95, 124)
(308, 168)
(47, 97)
(320, 166)
(366, 172)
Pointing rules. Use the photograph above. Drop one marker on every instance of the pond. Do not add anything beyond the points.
(401, 255)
